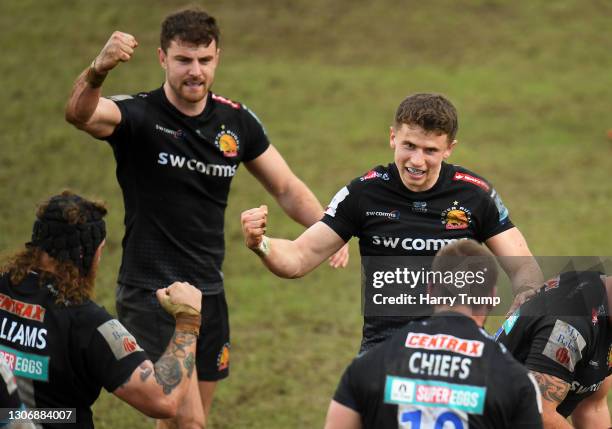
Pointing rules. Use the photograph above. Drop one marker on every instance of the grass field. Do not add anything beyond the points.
(531, 81)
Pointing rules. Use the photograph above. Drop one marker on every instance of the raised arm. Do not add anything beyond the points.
(286, 258)
(157, 389)
(86, 109)
(294, 197)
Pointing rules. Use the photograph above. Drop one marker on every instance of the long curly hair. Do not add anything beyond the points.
(69, 285)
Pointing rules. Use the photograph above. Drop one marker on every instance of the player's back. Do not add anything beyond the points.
(441, 370)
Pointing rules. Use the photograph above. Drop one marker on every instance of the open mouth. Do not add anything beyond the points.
(415, 172)
(193, 84)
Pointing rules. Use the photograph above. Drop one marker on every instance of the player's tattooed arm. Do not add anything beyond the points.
(554, 390)
(156, 389)
(169, 367)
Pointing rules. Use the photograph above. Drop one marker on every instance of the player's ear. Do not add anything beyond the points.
(162, 57)
(392, 137)
(449, 150)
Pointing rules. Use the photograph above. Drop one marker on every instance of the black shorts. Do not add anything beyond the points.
(140, 312)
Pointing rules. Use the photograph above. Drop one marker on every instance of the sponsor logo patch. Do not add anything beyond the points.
(449, 343)
(551, 284)
(594, 363)
(409, 243)
(177, 161)
(223, 357)
(419, 207)
(429, 393)
(471, 179)
(579, 389)
(22, 309)
(27, 365)
(565, 345)
(120, 341)
(177, 134)
(511, 321)
(501, 208)
(373, 174)
(456, 217)
(227, 142)
(393, 215)
(338, 198)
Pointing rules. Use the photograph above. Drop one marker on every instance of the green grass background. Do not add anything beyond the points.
(531, 79)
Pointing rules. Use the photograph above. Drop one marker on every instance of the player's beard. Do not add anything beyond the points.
(185, 93)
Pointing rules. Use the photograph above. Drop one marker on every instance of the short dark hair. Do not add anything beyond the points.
(189, 25)
(432, 112)
(465, 256)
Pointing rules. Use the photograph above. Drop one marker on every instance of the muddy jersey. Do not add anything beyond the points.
(175, 172)
(564, 332)
(391, 220)
(62, 355)
(443, 371)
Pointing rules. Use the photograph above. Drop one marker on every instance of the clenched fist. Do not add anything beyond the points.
(254, 225)
(180, 298)
(119, 48)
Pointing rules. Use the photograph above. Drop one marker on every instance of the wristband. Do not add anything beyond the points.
(189, 324)
(263, 248)
(94, 78)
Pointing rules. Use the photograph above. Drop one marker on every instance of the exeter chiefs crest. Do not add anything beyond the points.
(456, 217)
(227, 142)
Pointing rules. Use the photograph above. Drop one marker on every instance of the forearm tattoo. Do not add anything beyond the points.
(168, 369)
(189, 364)
(553, 389)
(146, 369)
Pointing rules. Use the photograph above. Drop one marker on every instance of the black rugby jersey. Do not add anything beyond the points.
(62, 355)
(391, 220)
(564, 331)
(443, 369)
(175, 172)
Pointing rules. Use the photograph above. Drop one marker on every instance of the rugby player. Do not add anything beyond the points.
(177, 150)
(442, 371)
(411, 207)
(62, 347)
(563, 335)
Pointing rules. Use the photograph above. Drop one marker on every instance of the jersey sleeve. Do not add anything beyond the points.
(258, 139)
(346, 393)
(132, 113)
(342, 213)
(556, 346)
(495, 217)
(112, 353)
(528, 410)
